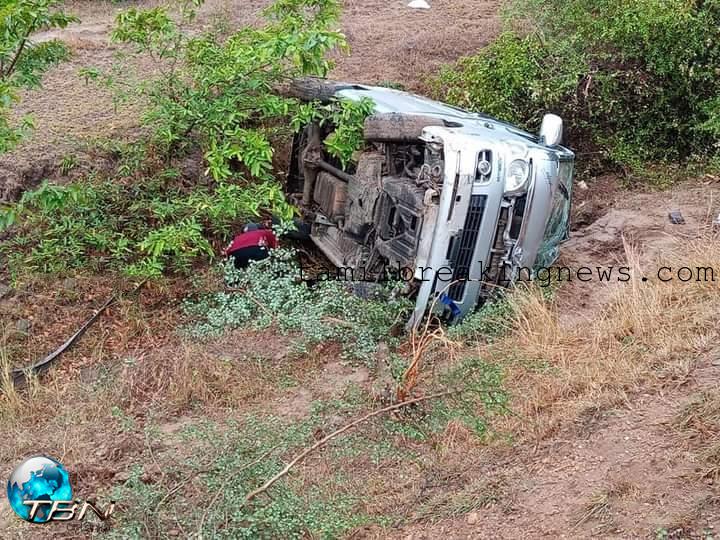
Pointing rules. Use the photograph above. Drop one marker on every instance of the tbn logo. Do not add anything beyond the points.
(67, 510)
(39, 491)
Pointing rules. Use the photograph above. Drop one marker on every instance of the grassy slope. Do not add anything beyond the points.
(611, 391)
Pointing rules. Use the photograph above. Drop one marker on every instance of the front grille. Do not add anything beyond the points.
(463, 253)
(507, 234)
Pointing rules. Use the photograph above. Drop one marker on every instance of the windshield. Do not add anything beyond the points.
(557, 227)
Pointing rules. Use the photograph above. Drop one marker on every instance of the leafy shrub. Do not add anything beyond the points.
(143, 228)
(214, 91)
(221, 91)
(270, 292)
(496, 80)
(636, 80)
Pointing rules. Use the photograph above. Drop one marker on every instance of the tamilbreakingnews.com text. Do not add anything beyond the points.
(543, 276)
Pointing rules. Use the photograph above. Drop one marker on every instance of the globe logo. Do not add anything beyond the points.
(39, 478)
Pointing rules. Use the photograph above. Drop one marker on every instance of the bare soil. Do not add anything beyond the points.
(624, 474)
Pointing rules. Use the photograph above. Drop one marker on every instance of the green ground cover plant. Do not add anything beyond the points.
(246, 453)
(270, 292)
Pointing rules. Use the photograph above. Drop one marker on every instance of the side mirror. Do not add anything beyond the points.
(551, 130)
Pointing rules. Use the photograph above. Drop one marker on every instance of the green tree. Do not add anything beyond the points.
(221, 91)
(211, 91)
(23, 61)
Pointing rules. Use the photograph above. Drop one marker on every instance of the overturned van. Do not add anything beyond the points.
(459, 200)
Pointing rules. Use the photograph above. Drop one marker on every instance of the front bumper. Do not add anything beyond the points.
(481, 237)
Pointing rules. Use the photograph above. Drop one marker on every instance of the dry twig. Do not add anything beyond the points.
(302, 455)
(420, 342)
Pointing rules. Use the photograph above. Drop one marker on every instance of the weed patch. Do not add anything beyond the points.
(246, 453)
(480, 397)
(269, 292)
(491, 321)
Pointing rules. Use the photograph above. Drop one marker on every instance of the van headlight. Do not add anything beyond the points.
(517, 176)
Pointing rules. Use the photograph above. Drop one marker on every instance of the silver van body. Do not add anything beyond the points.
(477, 203)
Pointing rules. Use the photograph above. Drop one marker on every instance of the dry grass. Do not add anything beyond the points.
(478, 494)
(177, 378)
(600, 506)
(14, 403)
(652, 333)
(699, 422)
(164, 382)
(701, 417)
(598, 509)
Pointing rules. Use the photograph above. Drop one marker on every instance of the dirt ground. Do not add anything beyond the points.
(620, 470)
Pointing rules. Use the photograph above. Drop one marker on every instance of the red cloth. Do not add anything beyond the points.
(259, 238)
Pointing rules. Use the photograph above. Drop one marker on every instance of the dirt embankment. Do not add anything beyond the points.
(620, 469)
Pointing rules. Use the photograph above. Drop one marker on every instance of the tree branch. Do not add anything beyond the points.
(302, 455)
(11, 67)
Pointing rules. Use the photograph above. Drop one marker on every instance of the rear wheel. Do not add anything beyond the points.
(313, 88)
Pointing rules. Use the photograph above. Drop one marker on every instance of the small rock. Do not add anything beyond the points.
(22, 326)
(582, 184)
(4, 290)
(122, 476)
(676, 218)
(472, 518)
(419, 4)
(69, 283)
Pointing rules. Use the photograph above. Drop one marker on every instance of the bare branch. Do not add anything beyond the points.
(322, 442)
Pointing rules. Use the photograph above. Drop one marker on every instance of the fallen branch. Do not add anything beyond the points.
(19, 375)
(302, 455)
